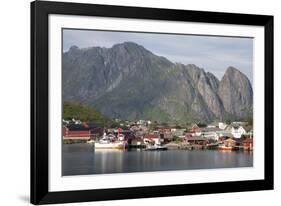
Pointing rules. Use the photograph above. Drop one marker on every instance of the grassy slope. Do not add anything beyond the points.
(72, 109)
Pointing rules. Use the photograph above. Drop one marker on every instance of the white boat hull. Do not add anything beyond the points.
(111, 145)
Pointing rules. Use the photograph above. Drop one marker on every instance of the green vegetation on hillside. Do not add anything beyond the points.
(248, 117)
(77, 110)
(156, 114)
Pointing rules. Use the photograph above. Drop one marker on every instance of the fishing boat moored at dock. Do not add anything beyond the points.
(111, 142)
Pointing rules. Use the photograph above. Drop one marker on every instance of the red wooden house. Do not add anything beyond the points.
(196, 140)
(195, 128)
(76, 132)
(151, 136)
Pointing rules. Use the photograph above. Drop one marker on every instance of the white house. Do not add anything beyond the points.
(211, 135)
(222, 125)
(237, 132)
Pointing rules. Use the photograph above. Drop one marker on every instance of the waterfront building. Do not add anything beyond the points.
(155, 138)
(230, 142)
(197, 140)
(76, 132)
(239, 131)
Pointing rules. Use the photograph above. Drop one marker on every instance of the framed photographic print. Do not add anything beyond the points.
(131, 102)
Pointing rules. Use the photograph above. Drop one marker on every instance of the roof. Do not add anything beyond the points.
(151, 136)
(228, 128)
(229, 140)
(235, 126)
(248, 128)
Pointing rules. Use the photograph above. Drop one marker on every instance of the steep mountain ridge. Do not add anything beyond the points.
(128, 81)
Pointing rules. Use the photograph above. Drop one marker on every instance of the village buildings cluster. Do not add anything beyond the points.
(233, 136)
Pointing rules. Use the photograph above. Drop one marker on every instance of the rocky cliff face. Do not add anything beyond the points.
(127, 81)
(236, 92)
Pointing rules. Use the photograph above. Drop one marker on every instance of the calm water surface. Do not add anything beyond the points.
(82, 159)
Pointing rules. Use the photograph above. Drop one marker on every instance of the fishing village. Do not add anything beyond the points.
(127, 109)
(147, 135)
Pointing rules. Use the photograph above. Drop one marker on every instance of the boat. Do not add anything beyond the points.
(110, 145)
(226, 147)
(110, 142)
(155, 146)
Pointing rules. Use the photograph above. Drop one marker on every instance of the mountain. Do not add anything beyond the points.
(127, 81)
(236, 92)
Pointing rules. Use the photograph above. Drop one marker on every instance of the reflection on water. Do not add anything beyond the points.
(82, 159)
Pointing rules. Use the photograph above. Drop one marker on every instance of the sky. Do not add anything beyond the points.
(212, 53)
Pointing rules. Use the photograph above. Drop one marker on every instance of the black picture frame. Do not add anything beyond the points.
(40, 110)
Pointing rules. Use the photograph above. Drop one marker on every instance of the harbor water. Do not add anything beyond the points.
(83, 159)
